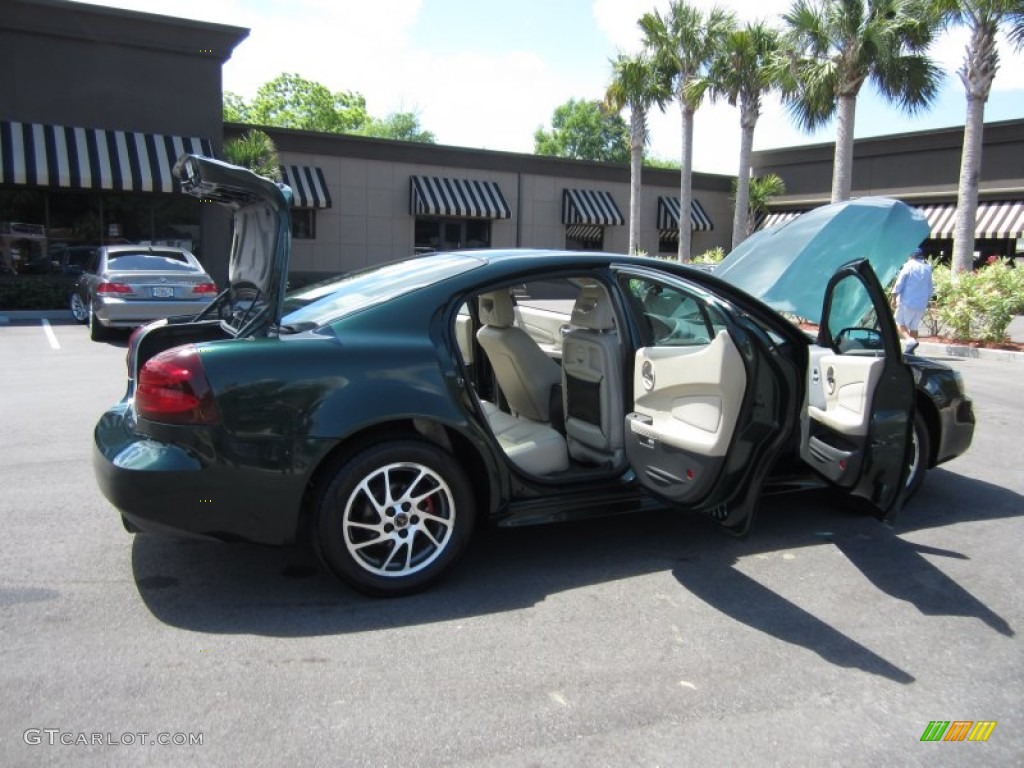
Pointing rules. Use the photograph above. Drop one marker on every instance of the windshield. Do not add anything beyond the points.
(364, 289)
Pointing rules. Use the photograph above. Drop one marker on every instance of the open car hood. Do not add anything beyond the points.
(788, 267)
(260, 239)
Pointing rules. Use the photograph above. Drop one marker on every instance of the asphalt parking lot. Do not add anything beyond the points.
(823, 638)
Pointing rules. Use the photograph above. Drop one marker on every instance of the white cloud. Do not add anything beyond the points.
(494, 100)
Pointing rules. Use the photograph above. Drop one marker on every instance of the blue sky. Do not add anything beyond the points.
(486, 74)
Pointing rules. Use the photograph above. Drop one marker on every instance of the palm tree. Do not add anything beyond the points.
(254, 150)
(761, 190)
(741, 72)
(835, 46)
(981, 61)
(683, 42)
(637, 84)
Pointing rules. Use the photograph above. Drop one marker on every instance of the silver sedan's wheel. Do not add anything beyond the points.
(78, 309)
(97, 331)
(395, 517)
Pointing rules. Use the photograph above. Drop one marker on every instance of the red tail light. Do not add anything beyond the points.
(173, 389)
(204, 288)
(113, 288)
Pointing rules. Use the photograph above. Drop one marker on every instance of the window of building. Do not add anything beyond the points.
(436, 234)
(592, 241)
(304, 223)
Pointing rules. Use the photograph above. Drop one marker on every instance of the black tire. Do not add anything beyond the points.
(394, 517)
(97, 330)
(919, 453)
(79, 310)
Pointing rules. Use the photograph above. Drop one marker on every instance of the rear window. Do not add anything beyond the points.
(373, 286)
(151, 262)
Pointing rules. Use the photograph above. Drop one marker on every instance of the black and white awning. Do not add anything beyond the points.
(463, 198)
(996, 220)
(590, 206)
(778, 218)
(92, 158)
(668, 218)
(586, 233)
(309, 190)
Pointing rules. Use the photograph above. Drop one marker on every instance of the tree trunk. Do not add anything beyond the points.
(636, 160)
(741, 216)
(842, 170)
(686, 183)
(977, 73)
(967, 191)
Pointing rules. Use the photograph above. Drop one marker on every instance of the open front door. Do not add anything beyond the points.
(860, 393)
(708, 402)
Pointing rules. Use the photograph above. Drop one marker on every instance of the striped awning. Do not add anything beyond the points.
(668, 218)
(590, 206)
(465, 198)
(309, 189)
(592, 233)
(777, 218)
(92, 158)
(1002, 220)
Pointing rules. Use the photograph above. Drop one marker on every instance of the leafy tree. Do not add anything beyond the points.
(256, 151)
(235, 108)
(290, 101)
(400, 126)
(584, 130)
(638, 84)
(835, 46)
(741, 72)
(683, 43)
(981, 62)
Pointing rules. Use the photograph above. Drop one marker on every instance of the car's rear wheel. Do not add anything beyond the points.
(395, 517)
(78, 309)
(97, 330)
(920, 450)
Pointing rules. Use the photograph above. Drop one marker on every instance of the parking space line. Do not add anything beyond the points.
(50, 335)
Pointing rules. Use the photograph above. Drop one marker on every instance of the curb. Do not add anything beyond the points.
(927, 349)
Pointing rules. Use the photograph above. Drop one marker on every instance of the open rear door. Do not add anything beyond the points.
(860, 394)
(709, 404)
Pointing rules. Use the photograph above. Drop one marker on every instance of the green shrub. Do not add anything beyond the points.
(978, 305)
(34, 292)
(713, 256)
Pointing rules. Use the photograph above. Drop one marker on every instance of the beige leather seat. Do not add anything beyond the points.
(592, 381)
(525, 374)
(533, 447)
(528, 377)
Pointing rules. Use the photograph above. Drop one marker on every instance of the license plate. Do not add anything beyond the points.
(163, 292)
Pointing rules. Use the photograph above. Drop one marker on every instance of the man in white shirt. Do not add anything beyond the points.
(913, 290)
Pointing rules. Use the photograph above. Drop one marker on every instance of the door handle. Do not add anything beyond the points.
(647, 374)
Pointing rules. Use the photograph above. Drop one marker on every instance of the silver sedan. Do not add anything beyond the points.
(123, 286)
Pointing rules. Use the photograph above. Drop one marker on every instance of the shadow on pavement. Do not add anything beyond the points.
(210, 587)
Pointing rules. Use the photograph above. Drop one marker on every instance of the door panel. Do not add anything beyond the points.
(686, 404)
(714, 400)
(847, 385)
(860, 402)
(692, 395)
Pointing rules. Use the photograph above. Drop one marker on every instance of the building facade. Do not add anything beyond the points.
(96, 104)
(362, 201)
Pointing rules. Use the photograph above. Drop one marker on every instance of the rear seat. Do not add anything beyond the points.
(533, 447)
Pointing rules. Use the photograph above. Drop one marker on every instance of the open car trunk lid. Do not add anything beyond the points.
(260, 242)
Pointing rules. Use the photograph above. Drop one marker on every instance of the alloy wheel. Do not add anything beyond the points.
(399, 519)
